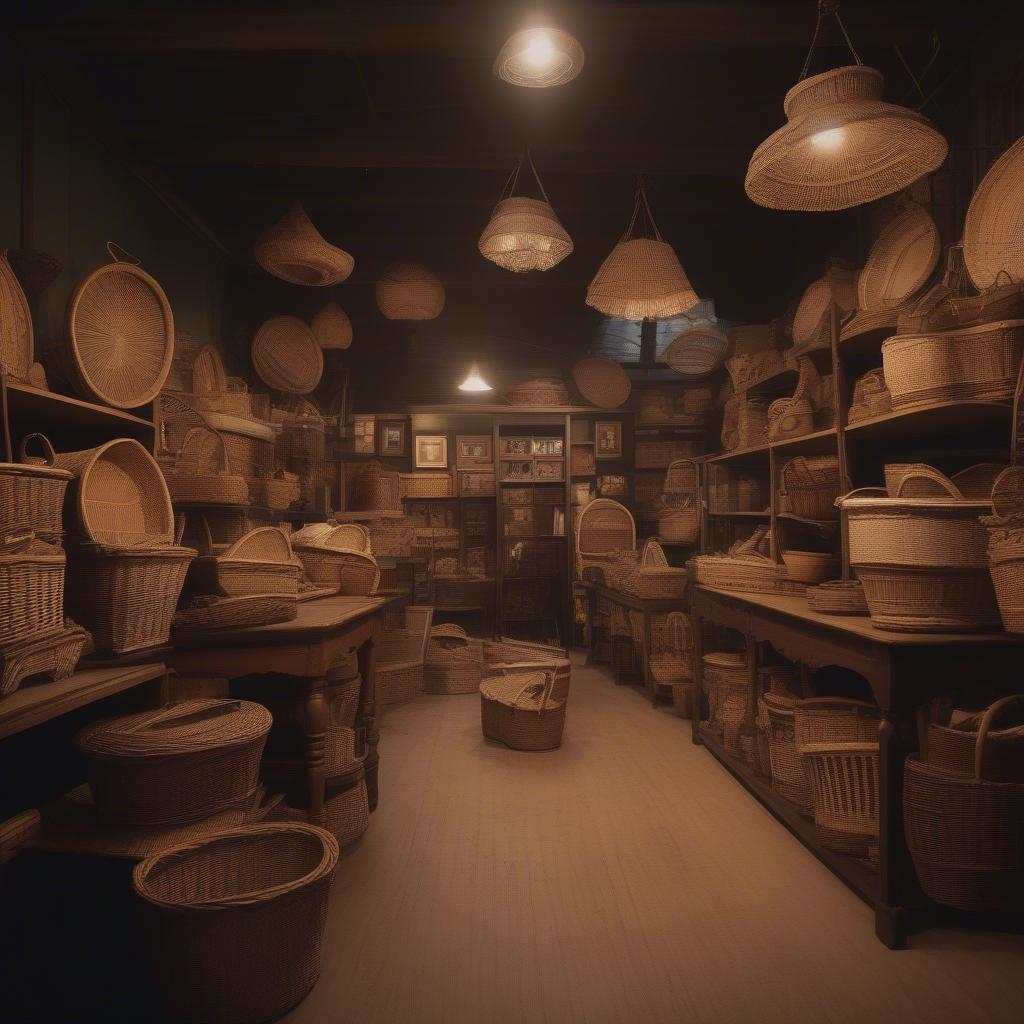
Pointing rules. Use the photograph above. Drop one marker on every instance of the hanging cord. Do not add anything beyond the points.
(122, 255)
(917, 79)
(828, 8)
(513, 178)
(640, 205)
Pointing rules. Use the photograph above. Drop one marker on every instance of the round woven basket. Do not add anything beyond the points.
(810, 322)
(16, 338)
(332, 327)
(900, 262)
(293, 250)
(564, 58)
(208, 376)
(523, 235)
(120, 335)
(994, 228)
(601, 382)
(842, 145)
(696, 351)
(541, 391)
(408, 291)
(286, 356)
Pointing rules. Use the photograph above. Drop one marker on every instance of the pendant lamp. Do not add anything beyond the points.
(332, 327)
(842, 144)
(641, 278)
(474, 382)
(539, 57)
(293, 250)
(408, 291)
(524, 234)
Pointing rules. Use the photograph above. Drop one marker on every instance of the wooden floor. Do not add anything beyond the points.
(625, 878)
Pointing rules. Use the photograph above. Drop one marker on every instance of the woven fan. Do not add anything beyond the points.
(286, 356)
(994, 228)
(901, 261)
(601, 382)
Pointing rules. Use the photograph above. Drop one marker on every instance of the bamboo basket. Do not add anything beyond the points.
(400, 657)
(653, 578)
(181, 763)
(604, 527)
(261, 562)
(52, 655)
(454, 662)
(788, 777)
(32, 494)
(812, 485)
(353, 573)
(31, 593)
(259, 891)
(425, 485)
(843, 781)
(519, 710)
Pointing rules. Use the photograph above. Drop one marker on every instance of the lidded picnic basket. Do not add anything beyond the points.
(32, 494)
(601, 382)
(120, 334)
(260, 892)
(409, 291)
(605, 527)
(294, 251)
(286, 355)
(180, 763)
(518, 709)
(332, 328)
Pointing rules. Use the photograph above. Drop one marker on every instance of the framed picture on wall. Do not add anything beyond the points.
(609, 439)
(431, 451)
(364, 434)
(392, 437)
(474, 451)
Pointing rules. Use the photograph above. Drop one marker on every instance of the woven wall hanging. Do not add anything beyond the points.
(524, 234)
(293, 250)
(408, 291)
(641, 278)
(842, 145)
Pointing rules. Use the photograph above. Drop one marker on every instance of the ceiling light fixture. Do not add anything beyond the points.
(474, 382)
(539, 57)
(829, 139)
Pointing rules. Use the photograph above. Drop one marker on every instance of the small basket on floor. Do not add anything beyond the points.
(505, 655)
(519, 710)
(232, 924)
(400, 657)
(843, 780)
(454, 661)
(788, 777)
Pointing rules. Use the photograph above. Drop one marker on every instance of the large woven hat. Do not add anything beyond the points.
(409, 291)
(842, 145)
(641, 278)
(332, 327)
(293, 250)
(994, 228)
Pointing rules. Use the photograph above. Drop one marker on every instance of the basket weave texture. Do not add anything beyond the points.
(523, 235)
(32, 495)
(408, 291)
(641, 279)
(900, 262)
(993, 228)
(401, 654)
(601, 382)
(332, 328)
(293, 250)
(286, 355)
(16, 337)
(696, 351)
(518, 709)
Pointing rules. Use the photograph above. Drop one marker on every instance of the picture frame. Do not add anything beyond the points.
(608, 439)
(393, 437)
(612, 486)
(474, 451)
(431, 451)
(364, 435)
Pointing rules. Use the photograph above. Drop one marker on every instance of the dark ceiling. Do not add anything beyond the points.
(385, 119)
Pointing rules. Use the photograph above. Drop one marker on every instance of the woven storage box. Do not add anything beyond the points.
(679, 525)
(540, 391)
(788, 777)
(31, 593)
(376, 489)
(401, 653)
(965, 832)
(181, 763)
(843, 781)
(260, 892)
(425, 485)
(353, 573)
(32, 494)
(518, 709)
(812, 485)
(969, 363)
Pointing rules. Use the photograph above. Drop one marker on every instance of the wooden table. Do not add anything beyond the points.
(903, 670)
(324, 631)
(647, 607)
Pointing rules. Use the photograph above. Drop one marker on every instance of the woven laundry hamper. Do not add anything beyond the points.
(409, 291)
(518, 709)
(293, 250)
(260, 892)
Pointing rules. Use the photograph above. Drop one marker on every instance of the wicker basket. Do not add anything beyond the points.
(294, 251)
(843, 781)
(601, 382)
(51, 655)
(425, 485)
(195, 479)
(518, 709)
(125, 597)
(725, 677)
(454, 663)
(870, 397)
(286, 356)
(679, 525)
(653, 578)
(16, 335)
(970, 363)
(505, 655)
(280, 491)
(812, 485)
(696, 351)
(353, 573)
(211, 612)
(543, 391)
(809, 567)
(261, 562)
(838, 597)
(120, 495)
(954, 749)
(400, 658)
(671, 647)
(524, 234)
(180, 763)
(788, 777)
(604, 527)
(259, 891)
(332, 328)
(376, 489)
(31, 593)
(1006, 567)
(120, 336)
(348, 810)
(32, 494)
(965, 832)
(409, 291)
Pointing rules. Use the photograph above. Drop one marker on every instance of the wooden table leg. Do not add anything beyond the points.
(316, 748)
(697, 621)
(591, 615)
(649, 684)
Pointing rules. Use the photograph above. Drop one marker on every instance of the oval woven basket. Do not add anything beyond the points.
(16, 338)
(602, 382)
(332, 328)
(264, 544)
(696, 351)
(541, 391)
(294, 251)
(901, 261)
(810, 322)
(208, 376)
(994, 228)
(408, 291)
(120, 335)
(286, 356)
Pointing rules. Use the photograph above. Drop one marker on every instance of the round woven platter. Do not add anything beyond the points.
(286, 356)
(901, 260)
(121, 336)
(601, 382)
(16, 342)
(696, 351)
(814, 304)
(994, 228)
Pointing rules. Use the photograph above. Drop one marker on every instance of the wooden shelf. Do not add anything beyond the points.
(71, 422)
(740, 515)
(818, 442)
(35, 703)
(938, 419)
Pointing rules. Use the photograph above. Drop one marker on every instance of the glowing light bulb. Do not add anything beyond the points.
(829, 140)
(539, 51)
(474, 382)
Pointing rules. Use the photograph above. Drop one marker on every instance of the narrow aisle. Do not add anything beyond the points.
(623, 879)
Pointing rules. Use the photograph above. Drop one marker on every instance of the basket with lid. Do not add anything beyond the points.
(180, 763)
(32, 494)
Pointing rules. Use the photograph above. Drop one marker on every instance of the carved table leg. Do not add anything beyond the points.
(697, 622)
(316, 748)
(591, 615)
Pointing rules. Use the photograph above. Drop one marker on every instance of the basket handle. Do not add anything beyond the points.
(48, 453)
(122, 255)
(862, 492)
(177, 714)
(548, 683)
(936, 478)
(988, 718)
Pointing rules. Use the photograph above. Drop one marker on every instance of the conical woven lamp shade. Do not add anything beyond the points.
(524, 234)
(332, 327)
(408, 291)
(293, 250)
(842, 145)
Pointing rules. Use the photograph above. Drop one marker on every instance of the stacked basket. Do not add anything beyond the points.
(336, 557)
(454, 661)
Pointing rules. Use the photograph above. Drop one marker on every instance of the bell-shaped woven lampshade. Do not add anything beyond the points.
(332, 327)
(524, 234)
(293, 250)
(539, 57)
(842, 145)
(409, 291)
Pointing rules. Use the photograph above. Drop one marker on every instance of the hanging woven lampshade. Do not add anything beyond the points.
(524, 234)
(408, 291)
(332, 327)
(641, 278)
(539, 58)
(293, 250)
(842, 144)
